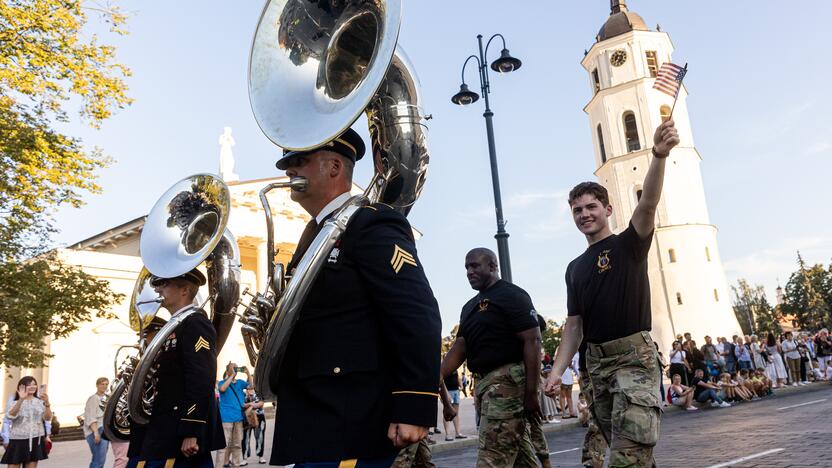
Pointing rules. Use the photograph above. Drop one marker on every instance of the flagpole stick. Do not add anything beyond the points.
(676, 98)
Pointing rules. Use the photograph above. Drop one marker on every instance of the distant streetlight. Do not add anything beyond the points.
(505, 64)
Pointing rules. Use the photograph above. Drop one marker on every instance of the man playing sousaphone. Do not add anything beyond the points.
(184, 426)
(358, 380)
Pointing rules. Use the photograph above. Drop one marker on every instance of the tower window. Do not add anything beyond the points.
(716, 295)
(631, 132)
(679, 298)
(601, 145)
(664, 112)
(638, 195)
(707, 254)
(672, 254)
(652, 63)
(596, 82)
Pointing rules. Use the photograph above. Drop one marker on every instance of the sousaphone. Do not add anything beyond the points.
(186, 227)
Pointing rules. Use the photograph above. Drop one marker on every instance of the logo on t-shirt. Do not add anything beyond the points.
(604, 261)
(483, 305)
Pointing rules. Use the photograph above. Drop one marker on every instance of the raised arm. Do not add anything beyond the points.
(644, 215)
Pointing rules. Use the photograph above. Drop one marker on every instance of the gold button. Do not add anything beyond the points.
(337, 370)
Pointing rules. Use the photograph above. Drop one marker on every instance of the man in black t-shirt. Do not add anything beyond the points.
(608, 306)
(498, 335)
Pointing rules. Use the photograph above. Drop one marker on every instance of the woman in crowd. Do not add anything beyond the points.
(678, 362)
(757, 353)
(733, 391)
(754, 387)
(27, 437)
(775, 367)
(567, 380)
(681, 395)
(805, 359)
(789, 349)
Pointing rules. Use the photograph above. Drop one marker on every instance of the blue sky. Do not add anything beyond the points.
(758, 106)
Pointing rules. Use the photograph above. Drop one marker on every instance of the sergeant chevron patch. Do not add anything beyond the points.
(191, 409)
(201, 343)
(400, 258)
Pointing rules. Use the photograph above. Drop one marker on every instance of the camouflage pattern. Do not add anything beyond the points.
(595, 446)
(504, 433)
(414, 456)
(625, 398)
(538, 440)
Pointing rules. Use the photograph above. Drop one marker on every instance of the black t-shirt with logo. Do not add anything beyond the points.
(608, 287)
(490, 322)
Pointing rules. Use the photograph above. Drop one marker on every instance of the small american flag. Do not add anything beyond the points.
(669, 78)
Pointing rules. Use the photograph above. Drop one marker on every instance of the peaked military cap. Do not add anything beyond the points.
(348, 144)
(194, 276)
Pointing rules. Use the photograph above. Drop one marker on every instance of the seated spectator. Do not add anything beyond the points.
(755, 387)
(733, 391)
(705, 391)
(681, 395)
(762, 376)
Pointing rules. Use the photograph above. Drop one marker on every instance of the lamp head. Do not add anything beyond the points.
(506, 63)
(465, 96)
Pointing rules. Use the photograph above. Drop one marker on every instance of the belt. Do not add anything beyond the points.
(619, 345)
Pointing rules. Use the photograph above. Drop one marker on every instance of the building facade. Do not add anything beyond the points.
(688, 284)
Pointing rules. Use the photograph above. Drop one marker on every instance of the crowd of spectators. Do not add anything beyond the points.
(744, 368)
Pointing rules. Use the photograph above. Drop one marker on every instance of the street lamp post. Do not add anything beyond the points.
(505, 64)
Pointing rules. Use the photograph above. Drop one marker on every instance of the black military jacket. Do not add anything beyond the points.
(185, 405)
(365, 351)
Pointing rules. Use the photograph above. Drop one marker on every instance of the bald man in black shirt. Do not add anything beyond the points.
(499, 336)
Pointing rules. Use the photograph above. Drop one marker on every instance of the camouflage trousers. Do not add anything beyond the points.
(623, 373)
(595, 446)
(414, 456)
(538, 440)
(504, 433)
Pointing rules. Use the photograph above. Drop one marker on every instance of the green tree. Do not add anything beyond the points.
(805, 296)
(752, 309)
(49, 64)
(551, 337)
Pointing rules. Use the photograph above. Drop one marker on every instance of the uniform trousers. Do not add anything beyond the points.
(595, 446)
(623, 374)
(414, 456)
(503, 433)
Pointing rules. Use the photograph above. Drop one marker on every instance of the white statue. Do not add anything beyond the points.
(226, 156)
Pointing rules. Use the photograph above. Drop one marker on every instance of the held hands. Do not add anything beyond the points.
(552, 385)
(189, 446)
(403, 435)
(665, 138)
(448, 412)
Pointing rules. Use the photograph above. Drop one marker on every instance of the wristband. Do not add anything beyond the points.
(656, 155)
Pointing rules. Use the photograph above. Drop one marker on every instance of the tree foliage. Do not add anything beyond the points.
(808, 295)
(38, 299)
(551, 337)
(753, 311)
(50, 63)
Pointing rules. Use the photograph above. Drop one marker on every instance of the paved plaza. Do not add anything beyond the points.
(789, 429)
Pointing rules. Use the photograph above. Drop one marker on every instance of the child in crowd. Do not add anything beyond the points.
(755, 388)
(583, 410)
(762, 376)
(731, 389)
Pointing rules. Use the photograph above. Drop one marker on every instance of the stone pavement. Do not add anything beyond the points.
(705, 438)
(789, 429)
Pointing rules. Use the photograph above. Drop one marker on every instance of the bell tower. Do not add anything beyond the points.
(689, 291)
